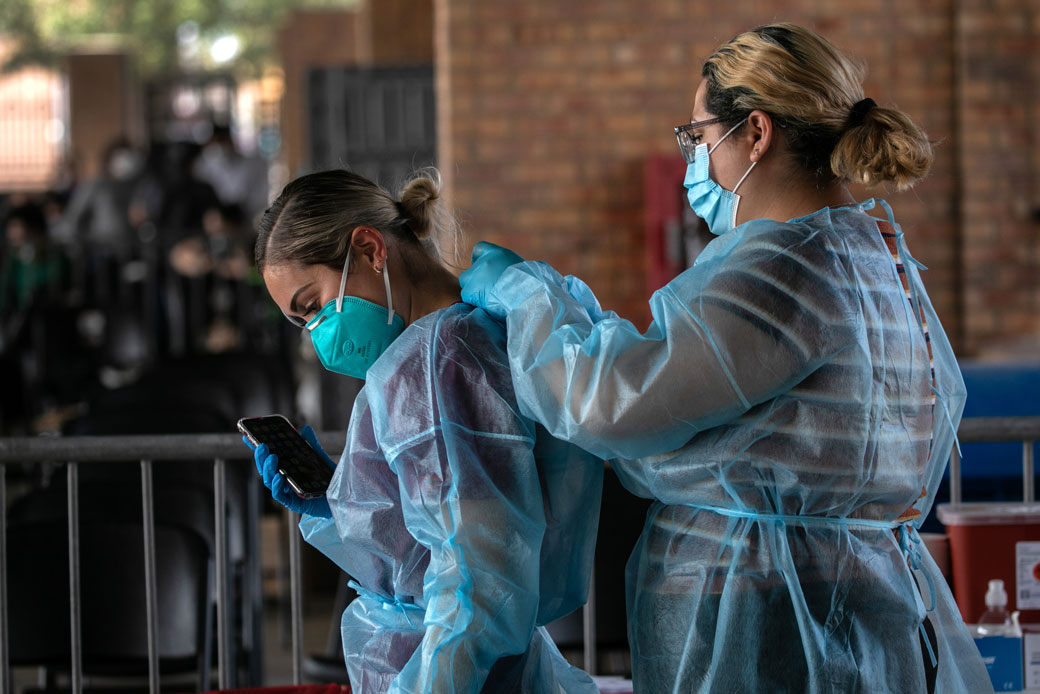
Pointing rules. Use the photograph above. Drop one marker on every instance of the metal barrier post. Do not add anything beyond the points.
(150, 583)
(1027, 472)
(76, 666)
(255, 583)
(5, 663)
(295, 596)
(588, 628)
(140, 449)
(220, 513)
(955, 476)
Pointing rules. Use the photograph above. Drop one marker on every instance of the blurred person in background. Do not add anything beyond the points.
(224, 248)
(465, 527)
(220, 257)
(781, 410)
(170, 207)
(95, 226)
(237, 179)
(97, 211)
(30, 266)
(34, 277)
(171, 197)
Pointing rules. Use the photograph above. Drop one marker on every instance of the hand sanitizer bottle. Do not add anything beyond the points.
(996, 620)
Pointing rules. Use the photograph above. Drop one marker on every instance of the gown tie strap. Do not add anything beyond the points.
(406, 609)
(906, 534)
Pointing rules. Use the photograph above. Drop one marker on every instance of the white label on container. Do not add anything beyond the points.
(1032, 664)
(1027, 575)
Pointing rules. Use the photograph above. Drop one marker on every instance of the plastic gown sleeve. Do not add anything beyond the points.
(727, 334)
(366, 536)
(472, 496)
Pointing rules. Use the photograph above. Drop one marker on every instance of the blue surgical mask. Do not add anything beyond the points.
(349, 333)
(710, 202)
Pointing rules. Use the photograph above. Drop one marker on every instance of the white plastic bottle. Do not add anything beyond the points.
(996, 620)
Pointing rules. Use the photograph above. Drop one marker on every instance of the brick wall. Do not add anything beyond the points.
(999, 108)
(309, 39)
(381, 32)
(548, 110)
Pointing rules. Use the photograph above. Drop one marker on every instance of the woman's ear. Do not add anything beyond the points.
(368, 247)
(760, 134)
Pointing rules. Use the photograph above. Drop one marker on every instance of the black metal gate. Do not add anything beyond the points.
(377, 121)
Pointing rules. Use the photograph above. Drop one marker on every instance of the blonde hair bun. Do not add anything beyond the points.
(886, 146)
(419, 198)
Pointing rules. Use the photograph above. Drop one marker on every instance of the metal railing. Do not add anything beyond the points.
(222, 448)
(77, 451)
(997, 429)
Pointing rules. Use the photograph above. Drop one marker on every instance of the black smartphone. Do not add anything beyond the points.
(303, 467)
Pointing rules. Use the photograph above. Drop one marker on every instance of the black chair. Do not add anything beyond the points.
(204, 394)
(245, 606)
(112, 582)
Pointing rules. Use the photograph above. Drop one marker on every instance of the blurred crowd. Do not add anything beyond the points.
(104, 280)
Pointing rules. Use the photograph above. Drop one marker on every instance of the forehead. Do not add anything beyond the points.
(284, 279)
(699, 112)
(288, 273)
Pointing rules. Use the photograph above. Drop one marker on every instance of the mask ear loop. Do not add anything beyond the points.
(343, 282)
(728, 132)
(736, 205)
(389, 296)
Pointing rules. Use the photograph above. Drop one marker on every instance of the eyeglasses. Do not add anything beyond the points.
(687, 143)
(295, 320)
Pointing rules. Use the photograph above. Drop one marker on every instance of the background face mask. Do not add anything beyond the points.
(349, 333)
(710, 201)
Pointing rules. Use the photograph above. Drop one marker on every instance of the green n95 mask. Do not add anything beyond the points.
(349, 333)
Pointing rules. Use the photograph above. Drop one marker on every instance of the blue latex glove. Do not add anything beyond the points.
(267, 466)
(489, 262)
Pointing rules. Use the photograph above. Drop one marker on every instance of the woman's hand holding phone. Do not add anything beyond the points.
(267, 466)
(307, 432)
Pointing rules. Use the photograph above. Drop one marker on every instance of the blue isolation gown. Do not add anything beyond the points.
(780, 410)
(464, 526)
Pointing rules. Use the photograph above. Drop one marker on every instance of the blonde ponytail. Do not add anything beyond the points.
(815, 94)
(883, 146)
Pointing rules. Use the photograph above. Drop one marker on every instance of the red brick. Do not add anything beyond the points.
(556, 105)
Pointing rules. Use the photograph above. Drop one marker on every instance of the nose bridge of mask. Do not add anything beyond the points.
(386, 284)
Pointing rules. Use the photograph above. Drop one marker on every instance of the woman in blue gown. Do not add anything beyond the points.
(790, 409)
(464, 527)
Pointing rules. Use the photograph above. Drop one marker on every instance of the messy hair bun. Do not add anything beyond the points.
(419, 206)
(885, 146)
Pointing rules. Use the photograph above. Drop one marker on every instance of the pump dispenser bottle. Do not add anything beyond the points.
(996, 620)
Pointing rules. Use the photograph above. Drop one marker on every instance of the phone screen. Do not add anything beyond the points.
(304, 469)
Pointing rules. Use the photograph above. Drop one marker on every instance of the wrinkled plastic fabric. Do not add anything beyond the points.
(781, 393)
(464, 525)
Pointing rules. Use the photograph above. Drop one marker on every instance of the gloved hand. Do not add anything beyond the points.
(489, 262)
(267, 466)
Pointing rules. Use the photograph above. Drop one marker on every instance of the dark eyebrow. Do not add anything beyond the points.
(292, 304)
